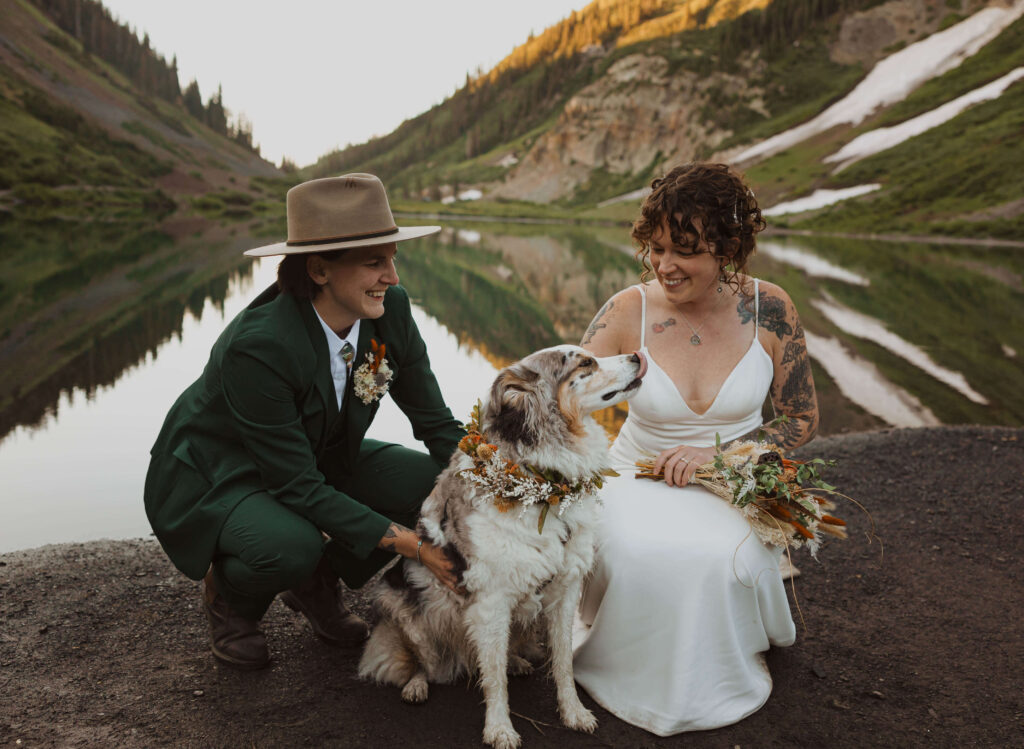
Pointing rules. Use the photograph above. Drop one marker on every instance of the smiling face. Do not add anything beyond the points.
(352, 285)
(685, 272)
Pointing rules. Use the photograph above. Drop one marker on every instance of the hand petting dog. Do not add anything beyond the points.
(407, 543)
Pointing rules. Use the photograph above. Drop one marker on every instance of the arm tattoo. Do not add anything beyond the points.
(794, 351)
(772, 316)
(745, 308)
(797, 394)
(659, 327)
(794, 397)
(596, 325)
(391, 537)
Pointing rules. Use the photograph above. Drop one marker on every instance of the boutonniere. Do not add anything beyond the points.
(373, 378)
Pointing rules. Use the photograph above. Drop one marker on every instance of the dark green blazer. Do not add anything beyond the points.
(263, 417)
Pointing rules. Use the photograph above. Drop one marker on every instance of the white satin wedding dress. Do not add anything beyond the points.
(684, 599)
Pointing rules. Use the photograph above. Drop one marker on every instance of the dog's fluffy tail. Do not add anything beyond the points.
(387, 659)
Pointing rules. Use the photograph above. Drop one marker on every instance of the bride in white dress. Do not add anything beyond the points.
(684, 599)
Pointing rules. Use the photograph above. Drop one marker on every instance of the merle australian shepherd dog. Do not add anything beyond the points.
(521, 563)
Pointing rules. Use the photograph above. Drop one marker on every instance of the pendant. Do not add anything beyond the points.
(695, 339)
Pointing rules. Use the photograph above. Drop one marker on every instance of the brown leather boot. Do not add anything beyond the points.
(234, 640)
(319, 600)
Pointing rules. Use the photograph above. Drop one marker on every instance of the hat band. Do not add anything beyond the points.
(342, 238)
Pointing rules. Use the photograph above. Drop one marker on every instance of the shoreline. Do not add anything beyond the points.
(104, 642)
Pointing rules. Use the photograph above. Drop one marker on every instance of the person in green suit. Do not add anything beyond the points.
(261, 480)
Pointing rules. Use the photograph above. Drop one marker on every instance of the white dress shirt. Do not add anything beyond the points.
(339, 370)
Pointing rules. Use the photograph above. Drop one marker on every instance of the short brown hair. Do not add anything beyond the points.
(294, 279)
(719, 197)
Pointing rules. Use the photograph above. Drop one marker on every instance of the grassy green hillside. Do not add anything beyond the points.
(77, 135)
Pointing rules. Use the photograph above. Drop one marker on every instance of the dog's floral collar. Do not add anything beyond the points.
(511, 484)
(371, 380)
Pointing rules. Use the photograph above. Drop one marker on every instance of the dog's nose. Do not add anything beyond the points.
(639, 358)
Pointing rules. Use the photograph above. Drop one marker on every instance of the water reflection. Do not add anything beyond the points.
(808, 262)
(101, 326)
(864, 326)
(860, 381)
(950, 303)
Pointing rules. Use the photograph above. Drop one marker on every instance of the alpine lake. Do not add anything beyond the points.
(103, 324)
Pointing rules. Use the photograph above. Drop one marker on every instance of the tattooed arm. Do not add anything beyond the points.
(792, 390)
(615, 326)
(400, 540)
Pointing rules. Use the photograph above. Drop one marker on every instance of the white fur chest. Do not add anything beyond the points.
(518, 558)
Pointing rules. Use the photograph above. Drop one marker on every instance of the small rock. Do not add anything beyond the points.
(935, 548)
(931, 712)
(877, 695)
(840, 705)
(818, 670)
(44, 629)
(198, 693)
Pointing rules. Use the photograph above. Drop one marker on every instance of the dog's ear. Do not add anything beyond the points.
(513, 394)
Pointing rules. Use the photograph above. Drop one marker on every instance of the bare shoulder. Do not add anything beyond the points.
(611, 327)
(774, 309)
(769, 290)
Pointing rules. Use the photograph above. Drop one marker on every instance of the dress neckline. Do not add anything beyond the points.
(651, 360)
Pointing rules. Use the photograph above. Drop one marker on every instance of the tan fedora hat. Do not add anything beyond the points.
(338, 213)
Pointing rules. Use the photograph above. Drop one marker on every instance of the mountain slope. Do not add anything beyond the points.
(70, 120)
(596, 121)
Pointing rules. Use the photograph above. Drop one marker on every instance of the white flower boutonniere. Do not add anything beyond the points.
(373, 378)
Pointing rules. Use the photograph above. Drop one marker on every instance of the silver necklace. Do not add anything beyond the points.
(695, 339)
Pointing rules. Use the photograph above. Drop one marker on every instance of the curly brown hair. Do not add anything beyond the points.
(718, 196)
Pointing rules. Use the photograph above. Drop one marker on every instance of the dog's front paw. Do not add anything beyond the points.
(579, 718)
(501, 736)
(416, 689)
(519, 666)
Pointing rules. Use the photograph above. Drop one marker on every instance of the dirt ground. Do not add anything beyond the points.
(104, 644)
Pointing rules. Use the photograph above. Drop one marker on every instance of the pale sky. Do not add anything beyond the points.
(312, 76)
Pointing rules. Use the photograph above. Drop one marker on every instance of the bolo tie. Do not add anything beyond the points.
(347, 353)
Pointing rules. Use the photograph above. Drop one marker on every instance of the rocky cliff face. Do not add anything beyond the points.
(641, 114)
(635, 115)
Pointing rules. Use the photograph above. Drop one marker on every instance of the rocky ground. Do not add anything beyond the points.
(103, 644)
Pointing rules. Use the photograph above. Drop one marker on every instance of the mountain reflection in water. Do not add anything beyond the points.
(110, 322)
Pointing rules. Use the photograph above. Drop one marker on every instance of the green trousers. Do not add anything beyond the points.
(265, 548)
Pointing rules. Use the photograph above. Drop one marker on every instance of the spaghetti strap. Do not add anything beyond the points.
(643, 313)
(757, 307)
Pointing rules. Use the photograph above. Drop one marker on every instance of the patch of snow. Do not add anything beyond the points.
(809, 263)
(860, 381)
(471, 194)
(468, 236)
(897, 75)
(508, 160)
(643, 192)
(862, 326)
(819, 199)
(1008, 352)
(874, 141)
